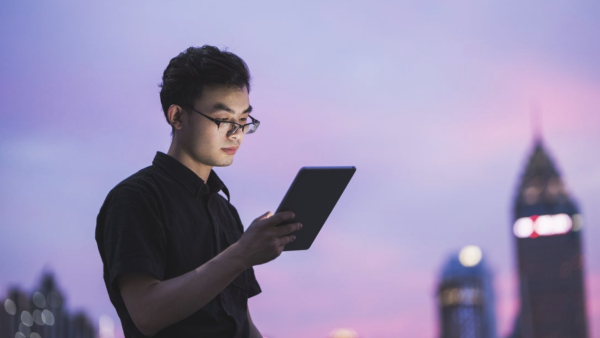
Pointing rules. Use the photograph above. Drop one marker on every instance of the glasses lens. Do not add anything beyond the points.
(232, 128)
(227, 127)
(252, 127)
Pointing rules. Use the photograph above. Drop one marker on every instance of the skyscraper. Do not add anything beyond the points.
(547, 232)
(465, 297)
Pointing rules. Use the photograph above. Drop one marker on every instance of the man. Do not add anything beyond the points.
(177, 262)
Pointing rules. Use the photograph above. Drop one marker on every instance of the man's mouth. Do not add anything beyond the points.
(231, 150)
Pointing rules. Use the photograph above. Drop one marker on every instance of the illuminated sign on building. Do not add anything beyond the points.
(546, 225)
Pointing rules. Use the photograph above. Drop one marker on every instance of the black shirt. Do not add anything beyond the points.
(165, 221)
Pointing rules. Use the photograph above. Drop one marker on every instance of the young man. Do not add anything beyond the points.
(177, 262)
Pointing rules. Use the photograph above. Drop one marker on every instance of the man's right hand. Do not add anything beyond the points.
(264, 241)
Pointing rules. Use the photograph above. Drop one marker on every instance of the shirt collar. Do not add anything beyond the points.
(187, 178)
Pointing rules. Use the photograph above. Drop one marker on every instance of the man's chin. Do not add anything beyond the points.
(224, 163)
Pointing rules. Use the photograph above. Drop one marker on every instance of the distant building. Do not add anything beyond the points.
(16, 303)
(465, 297)
(42, 314)
(547, 232)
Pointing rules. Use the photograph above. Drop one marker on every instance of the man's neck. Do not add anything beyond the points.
(200, 169)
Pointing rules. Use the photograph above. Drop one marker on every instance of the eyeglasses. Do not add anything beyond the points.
(231, 127)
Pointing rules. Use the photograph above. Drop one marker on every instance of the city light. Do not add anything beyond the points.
(465, 296)
(37, 317)
(545, 225)
(344, 333)
(48, 317)
(27, 318)
(39, 300)
(470, 255)
(10, 307)
(24, 330)
(107, 327)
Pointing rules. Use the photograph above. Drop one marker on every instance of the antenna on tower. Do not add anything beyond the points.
(536, 121)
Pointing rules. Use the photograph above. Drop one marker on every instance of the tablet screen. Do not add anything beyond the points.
(312, 197)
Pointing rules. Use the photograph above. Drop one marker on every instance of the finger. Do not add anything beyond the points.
(281, 217)
(287, 229)
(286, 239)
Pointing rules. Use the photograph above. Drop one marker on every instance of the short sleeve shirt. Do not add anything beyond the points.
(166, 221)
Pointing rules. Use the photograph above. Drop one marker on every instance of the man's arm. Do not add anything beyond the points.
(154, 305)
(254, 333)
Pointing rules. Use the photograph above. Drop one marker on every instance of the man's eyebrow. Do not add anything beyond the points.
(223, 107)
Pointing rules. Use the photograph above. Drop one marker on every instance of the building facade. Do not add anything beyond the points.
(547, 234)
(465, 297)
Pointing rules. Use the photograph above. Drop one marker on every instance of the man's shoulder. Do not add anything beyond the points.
(143, 178)
(143, 183)
(138, 193)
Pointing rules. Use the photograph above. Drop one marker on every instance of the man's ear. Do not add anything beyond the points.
(175, 116)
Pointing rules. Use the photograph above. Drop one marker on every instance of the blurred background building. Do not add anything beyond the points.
(547, 231)
(465, 297)
(42, 314)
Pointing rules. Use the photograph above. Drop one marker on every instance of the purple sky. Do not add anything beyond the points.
(431, 102)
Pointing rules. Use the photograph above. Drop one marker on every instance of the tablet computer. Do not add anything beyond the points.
(311, 197)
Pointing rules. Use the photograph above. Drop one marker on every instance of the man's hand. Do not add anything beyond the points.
(264, 241)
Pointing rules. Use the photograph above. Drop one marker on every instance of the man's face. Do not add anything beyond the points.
(201, 139)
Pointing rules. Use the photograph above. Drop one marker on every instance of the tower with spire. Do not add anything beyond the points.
(547, 232)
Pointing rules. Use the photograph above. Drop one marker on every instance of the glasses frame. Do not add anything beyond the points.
(236, 126)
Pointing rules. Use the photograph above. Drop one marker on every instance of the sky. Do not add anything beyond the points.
(431, 101)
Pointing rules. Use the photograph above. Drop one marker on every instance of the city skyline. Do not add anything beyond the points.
(43, 313)
(431, 103)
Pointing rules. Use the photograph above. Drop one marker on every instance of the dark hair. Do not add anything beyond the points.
(190, 71)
